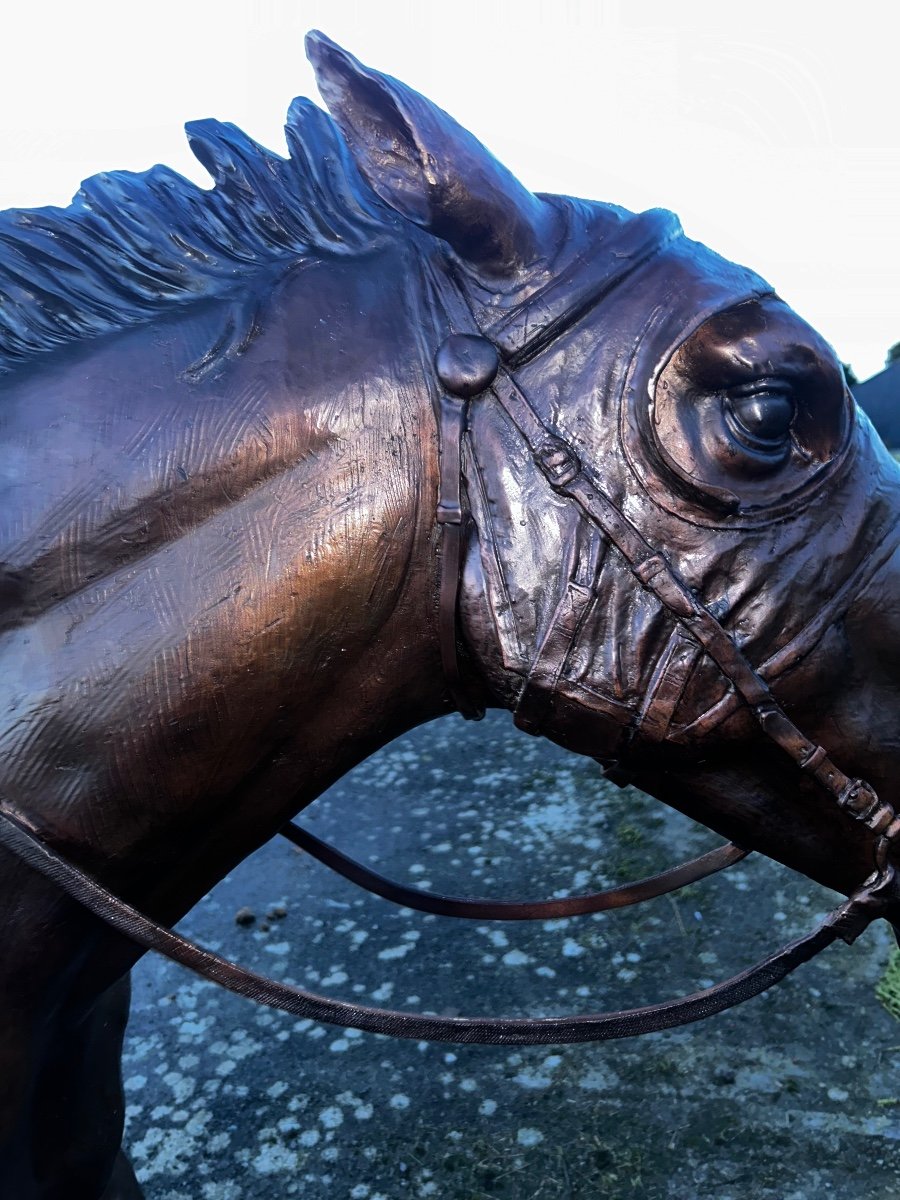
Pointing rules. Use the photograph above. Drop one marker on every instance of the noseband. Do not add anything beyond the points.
(472, 364)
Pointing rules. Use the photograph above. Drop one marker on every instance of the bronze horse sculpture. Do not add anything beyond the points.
(361, 437)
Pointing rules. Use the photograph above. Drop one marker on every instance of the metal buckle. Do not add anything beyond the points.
(558, 462)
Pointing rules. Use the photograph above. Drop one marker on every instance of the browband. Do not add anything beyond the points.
(580, 285)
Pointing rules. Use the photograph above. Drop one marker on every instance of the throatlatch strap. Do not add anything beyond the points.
(845, 922)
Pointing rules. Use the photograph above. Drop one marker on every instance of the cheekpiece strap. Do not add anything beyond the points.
(466, 365)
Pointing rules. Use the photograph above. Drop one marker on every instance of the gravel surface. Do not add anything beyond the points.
(794, 1095)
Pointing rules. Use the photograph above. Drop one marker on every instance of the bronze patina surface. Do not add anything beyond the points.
(242, 462)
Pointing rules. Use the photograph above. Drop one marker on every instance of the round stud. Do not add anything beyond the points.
(466, 364)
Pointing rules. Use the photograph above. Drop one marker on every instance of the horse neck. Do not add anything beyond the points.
(243, 662)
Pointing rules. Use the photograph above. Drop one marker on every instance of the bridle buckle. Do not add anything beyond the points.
(558, 462)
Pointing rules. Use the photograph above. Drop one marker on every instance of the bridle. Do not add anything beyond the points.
(471, 364)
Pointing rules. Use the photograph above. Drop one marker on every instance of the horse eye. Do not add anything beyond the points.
(761, 415)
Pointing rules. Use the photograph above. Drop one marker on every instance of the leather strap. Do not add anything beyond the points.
(536, 698)
(573, 291)
(669, 679)
(846, 922)
(452, 522)
(514, 910)
(793, 652)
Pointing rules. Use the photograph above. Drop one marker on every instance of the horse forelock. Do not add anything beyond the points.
(131, 245)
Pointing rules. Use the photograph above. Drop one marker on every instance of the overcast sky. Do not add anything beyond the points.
(773, 129)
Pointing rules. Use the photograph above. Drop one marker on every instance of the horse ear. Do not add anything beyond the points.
(429, 169)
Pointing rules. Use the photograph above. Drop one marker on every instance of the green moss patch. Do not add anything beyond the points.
(887, 989)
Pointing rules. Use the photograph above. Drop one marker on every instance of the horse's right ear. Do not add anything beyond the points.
(431, 170)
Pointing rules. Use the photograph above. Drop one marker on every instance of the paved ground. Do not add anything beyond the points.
(794, 1096)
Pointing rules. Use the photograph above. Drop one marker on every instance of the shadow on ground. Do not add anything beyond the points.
(793, 1096)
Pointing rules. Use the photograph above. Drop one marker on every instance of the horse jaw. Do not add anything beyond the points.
(432, 171)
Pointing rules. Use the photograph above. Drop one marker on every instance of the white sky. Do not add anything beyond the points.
(772, 128)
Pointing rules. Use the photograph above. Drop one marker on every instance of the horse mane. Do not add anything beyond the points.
(132, 244)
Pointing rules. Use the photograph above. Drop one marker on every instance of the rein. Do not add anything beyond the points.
(846, 922)
(471, 364)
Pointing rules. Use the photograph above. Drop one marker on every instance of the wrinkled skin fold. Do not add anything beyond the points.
(220, 565)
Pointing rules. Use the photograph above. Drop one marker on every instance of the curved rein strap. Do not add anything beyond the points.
(513, 910)
(846, 922)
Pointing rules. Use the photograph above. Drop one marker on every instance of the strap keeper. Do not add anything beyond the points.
(880, 817)
(655, 573)
(449, 514)
(856, 797)
(814, 760)
(861, 800)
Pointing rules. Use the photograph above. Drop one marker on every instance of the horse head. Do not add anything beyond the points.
(719, 425)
